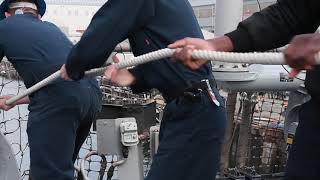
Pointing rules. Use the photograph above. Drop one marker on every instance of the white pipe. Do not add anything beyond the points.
(268, 79)
(228, 15)
(248, 58)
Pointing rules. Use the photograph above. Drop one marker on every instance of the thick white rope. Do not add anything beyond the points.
(34, 88)
(267, 58)
(229, 57)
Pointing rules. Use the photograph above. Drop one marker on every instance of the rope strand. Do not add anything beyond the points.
(268, 58)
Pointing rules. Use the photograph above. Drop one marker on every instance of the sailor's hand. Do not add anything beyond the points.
(300, 54)
(3, 105)
(64, 75)
(185, 48)
(118, 77)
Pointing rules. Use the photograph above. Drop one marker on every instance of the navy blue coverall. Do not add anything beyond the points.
(192, 130)
(61, 113)
(274, 27)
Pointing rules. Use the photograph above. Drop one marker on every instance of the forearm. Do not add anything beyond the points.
(222, 43)
(105, 32)
(6, 107)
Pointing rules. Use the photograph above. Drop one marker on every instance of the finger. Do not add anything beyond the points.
(294, 73)
(188, 53)
(308, 67)
(193, 66)
(291, 58)
(108, 72)
(64, 75)
(114, 75)
(178, 44)
(176, 55)
(115, 59)
(181, 43)
(63, 67)
(199, 63)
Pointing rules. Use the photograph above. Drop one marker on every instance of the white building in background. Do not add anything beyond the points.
(205, 10)
(74, 16)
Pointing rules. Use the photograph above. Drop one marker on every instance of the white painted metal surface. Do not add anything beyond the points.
(108, 138)
(267, 78)
(8, 166)
(228, 15)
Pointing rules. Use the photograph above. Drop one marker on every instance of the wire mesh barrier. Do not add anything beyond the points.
(258, 145)
(257, 148)
(13, 125)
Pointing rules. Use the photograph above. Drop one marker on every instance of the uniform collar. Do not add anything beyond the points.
(27, 15)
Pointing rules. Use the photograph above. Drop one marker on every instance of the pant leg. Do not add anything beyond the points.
(91, 105)
(84, 130)
(303, 162)
(51, 135)
(191, 136)
(81, 135)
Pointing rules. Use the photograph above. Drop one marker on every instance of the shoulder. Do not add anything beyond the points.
(50, 24)
(52, 27)
(7, 21)
(5, 25)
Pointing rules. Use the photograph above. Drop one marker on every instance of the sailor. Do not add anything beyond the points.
(194, 119)
(274, 27)
(61, 113)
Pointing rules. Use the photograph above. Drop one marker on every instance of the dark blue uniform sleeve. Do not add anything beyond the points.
(276, 25)
(141, 84)
(110, 25)
(1, 53)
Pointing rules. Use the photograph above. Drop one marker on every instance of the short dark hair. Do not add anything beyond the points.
(26, 9)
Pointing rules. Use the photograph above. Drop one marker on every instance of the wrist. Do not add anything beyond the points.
(222, 43)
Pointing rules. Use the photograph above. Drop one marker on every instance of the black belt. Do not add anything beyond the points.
(194, 90)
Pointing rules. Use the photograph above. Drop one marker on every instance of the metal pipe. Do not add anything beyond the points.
(268, 78)
(228, 15)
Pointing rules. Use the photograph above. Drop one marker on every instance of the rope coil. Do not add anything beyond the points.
(268, 58)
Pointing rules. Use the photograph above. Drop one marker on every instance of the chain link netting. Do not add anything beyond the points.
(258, 144)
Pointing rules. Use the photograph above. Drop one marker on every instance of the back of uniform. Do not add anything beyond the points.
(61, 113)
(193, 124)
